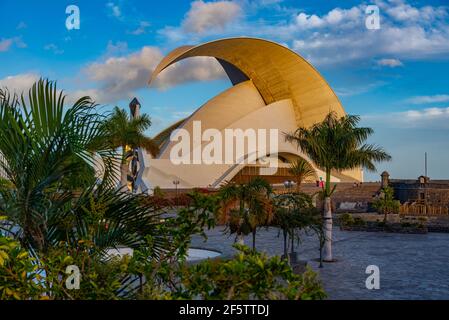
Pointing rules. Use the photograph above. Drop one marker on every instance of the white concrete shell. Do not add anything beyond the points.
(274, 88)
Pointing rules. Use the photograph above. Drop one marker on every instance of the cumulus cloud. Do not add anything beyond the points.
(429, 99)
(204, 16)
(118, 77)
(392, 63)
(430, 118)
(117, 48)
(403, 12)
(19, 83)
(407, 32)
(343, 18)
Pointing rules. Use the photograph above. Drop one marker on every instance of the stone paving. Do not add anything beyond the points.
(412, 266)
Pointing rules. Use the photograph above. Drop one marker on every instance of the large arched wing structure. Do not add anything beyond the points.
(273, 88)
(277, 72)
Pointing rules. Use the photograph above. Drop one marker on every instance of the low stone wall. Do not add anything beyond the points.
(389, 227)
(431, 223)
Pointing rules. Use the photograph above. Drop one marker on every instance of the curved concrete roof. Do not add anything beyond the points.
(277, 72)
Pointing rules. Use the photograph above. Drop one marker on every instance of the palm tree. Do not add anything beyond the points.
(48, 150)
(302, 170)
(127, 133)
(338, 144)
(294, 212)
(246, 207)
(386, 203)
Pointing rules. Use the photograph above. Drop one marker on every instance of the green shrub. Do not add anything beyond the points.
(346, 219)
(157, 192)
(19, 278)
(250, 275)
(359, 222)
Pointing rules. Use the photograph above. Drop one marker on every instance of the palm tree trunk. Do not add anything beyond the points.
(285, 245)
(293, 242)
(327, 254)
(254, 240)
(239, 239)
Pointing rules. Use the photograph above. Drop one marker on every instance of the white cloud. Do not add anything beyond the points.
(430, 118)
(403, 12)
(429, 99)
(54, 48)
(116, 48)
(360, 89)
(141, 29)
(392, 63)
(338, 36)
(341, 18)
(118, 77)
(19, 83)
(114, 10)
(205, 18)
(6, 44)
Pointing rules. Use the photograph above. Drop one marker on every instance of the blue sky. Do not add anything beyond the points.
(396, 77)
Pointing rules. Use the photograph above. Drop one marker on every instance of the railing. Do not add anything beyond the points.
(416, 209)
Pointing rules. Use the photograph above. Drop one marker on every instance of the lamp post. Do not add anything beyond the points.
(176, 182)
(288, 184)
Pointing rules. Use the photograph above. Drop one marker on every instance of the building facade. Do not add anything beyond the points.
(273, 90)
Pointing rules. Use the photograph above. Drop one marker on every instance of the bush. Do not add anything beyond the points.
(346, 219)
(19, 278)
(359, 222)
(250, 275)
(157, 192)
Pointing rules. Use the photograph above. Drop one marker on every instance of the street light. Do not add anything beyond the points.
(176, 182)
(288, 184)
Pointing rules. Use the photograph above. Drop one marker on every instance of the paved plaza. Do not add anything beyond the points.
(412, 266)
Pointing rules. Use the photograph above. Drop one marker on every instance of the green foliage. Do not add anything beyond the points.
(348, 220)
(250, 275)
(59, 213)
(100, 276)
(302, 170)
(49, 152)
(246, 206)
(19, 279)
(295, 212)
(123, 131)
(157, 192)
(386, 204)
(337, 143)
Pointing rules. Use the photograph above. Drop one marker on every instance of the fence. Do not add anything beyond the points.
(415, 209)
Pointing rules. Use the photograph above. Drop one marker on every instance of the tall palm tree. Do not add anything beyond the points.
(128, 134)
(246, 207)
(49, 149)
(301, 170)
(338, 144)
